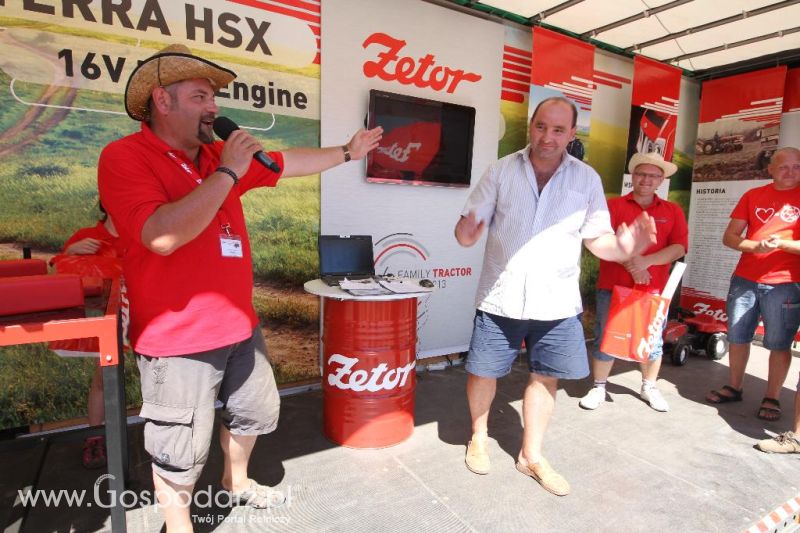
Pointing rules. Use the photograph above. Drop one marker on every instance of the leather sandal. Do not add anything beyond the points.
(770, 410)
(733, 395)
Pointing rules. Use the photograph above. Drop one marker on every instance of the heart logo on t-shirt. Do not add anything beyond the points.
(763, 213)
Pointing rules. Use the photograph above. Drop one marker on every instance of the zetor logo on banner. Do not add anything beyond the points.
(378, 378)
(409, 71)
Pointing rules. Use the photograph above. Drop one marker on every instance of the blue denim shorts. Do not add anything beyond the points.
(556, 348)
(777, 305)
(603, 303)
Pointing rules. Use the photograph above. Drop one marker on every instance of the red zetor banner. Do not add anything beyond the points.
(405, 152)
(754, 93)
(739, 129)
(635, 321)
(791, 96)
(563, 64)
(654, 108)
(564, 67)
(558, 59)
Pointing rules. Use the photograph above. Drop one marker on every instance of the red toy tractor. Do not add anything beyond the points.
(691, 333)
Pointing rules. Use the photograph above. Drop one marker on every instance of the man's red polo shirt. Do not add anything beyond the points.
(671, 229)
(193, 300)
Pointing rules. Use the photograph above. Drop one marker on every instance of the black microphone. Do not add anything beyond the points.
(223, 127)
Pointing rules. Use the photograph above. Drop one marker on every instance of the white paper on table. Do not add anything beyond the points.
(358, 284)
(404, 286)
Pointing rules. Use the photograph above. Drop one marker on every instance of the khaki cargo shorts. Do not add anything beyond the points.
(179, 394)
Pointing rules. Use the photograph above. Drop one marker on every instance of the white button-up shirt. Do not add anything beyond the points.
(531, 266)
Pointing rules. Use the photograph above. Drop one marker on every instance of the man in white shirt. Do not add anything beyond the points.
(539, 204)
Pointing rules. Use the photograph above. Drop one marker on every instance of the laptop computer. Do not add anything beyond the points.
(345, 256)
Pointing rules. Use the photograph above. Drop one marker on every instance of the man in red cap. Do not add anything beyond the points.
(174, 194)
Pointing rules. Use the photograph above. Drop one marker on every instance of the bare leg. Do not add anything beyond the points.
(650, 369)
(236, 450)
(480, 394)
(94, 404)
(601, 369)
(537, 408)
(738, 354)
(797, 412)
(737, 357)
(779, 362)
(174, 502)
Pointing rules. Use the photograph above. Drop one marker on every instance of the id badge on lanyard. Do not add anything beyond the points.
(230, 244)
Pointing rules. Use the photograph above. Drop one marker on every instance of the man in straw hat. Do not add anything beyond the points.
(174, 194)
(647, 272)
(538, 206)
(764, 227)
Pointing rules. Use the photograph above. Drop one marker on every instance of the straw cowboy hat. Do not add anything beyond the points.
(655, 159)
(172, 64)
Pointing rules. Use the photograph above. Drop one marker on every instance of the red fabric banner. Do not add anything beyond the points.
(791, 95)
(755, 94)
(655, 83)
(654, 108)
(739, 129)
(563, 63)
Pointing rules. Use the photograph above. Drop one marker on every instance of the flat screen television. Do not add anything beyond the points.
(425, 142)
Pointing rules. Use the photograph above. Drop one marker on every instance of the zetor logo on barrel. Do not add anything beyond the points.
(379, 378)
(409, 71)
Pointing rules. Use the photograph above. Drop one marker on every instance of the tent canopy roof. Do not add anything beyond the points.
(703, 37)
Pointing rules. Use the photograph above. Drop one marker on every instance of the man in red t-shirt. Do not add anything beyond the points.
(174, 194)
(647, 272)
(765, 282)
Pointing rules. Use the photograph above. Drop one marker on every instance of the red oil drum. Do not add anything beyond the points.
(369, 376)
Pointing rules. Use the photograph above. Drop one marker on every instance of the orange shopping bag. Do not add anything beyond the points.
(636, 319)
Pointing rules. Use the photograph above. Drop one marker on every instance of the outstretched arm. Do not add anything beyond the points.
(627, 242)
(307, 161)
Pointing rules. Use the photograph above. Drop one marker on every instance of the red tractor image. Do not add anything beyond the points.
(693, 333)
(720, 144)
(656, 133)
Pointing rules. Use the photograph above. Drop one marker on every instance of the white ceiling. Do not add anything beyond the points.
(582, 17)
